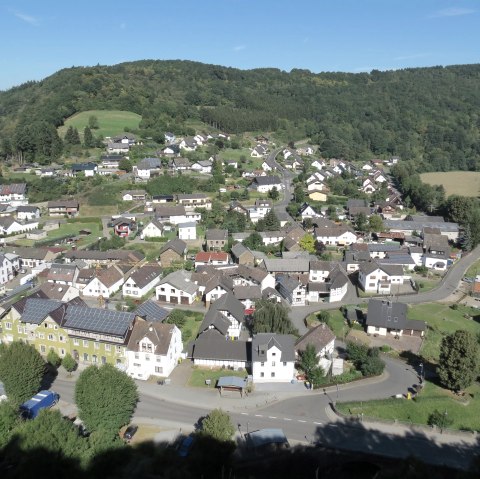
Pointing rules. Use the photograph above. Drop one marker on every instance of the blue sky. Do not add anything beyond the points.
(39, 37)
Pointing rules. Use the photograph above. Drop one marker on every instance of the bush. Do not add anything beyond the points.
(373, 366)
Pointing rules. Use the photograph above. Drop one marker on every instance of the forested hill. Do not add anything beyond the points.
(427, 114)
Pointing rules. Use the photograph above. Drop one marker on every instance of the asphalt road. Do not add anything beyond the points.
(304, 418)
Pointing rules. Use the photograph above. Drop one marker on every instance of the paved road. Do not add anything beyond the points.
(303, 418)
(446, 287)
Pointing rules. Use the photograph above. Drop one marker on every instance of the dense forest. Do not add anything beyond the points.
(430, 115)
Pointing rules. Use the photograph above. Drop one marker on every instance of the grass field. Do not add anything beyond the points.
(464, 412)
(110, 122)
(443, 320)
(198, 377)
(465, 183)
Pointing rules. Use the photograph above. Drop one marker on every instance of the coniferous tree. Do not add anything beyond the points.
(88, 140)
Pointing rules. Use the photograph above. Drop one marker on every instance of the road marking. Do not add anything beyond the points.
(258, 415)
(286, 419)
(272, 417)
(300, 420)
(244, 413)
(319, 423)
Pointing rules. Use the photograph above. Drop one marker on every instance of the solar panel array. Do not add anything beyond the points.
(98, 320)
(36, 309)
(152, 311)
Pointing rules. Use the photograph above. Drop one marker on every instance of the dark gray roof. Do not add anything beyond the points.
(216, 235)
(247, 292)
(267, 180)
(98, 320)
(388, 314)
(215, 319)
(175, 244)
(37, 309)
(278, 265)
(418, 226)
(383, 247)
(228, 302)
(151, 311)
(262, 342)
(145, 275)
(149, 163)
(213, 345)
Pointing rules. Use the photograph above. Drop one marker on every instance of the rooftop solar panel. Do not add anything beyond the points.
(152, 311)
(36, 309)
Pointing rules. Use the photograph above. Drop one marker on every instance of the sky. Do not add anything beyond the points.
(40, 37)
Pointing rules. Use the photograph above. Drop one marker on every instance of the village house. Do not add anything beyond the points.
(194, 200)
(242, 255)
(321, 338)
(376, 278)
(216, 258)
(9, 265)
(147, 168)
(177, 288)
(259, 151)
(134, 195)
(215, 239)
(273, 357)
(388, 317)
(187, 231)
(264, 184)
(202, 166)
(9, 226)
(173, 251)
(292, 290)
(154, 349)
(153, 229)
(28, 212)
(14, 194)
(60, 273)
(63, 208)
(105, 282)
(141, 281)
(340, 235)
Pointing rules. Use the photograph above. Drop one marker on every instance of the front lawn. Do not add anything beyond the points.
(199, 375)
(465, 411)
(193, 320)
(443, 320)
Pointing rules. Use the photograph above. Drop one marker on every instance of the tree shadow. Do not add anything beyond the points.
(49, 376)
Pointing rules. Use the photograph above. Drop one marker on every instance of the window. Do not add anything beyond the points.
(94, 358)
(147, 357)
(272, 375)
(274, 354)
(8, 326)
(262, 364)
(158, 369)
(119, 350)
(76, 342)
(262, 375)
(85, 343)
(107, 347)
(85, 356)
(51, 337)
(96, 345)
(43, 349)
(284, 363)
(62, 352)
(104, 360)
(20, 329)
(41, 336)
(55, 327)
(137, 365)
(137, 356)
(61, 338)
(274, 363)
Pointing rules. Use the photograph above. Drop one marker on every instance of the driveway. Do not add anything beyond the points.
(404, 343)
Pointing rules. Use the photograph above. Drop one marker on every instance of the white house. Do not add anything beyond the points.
(318, 164)
(273, 357)
(154, 349)
(264, 184)
(105, 283)
(153, 229)
(141, 281)
(376, 278)
(9, 264)
(28, 212)
(337, 235)
(291, 290)
(202, 166)
(177, 288)
(147, 168)
(14, 194)
(187, 231)
(259, 151)
(388, 317)
(9, 225)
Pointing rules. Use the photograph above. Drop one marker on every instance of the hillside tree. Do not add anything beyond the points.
(21, 370)
(88, 139)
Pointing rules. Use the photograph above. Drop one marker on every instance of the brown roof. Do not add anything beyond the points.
(145, 275)
(63, 204)
(319, 337)
(109, 276)
(160, 334)
(176, 244)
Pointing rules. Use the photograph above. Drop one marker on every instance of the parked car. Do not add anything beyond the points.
(186, 446)
(130, 432)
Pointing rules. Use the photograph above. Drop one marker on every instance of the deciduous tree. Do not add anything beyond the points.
(218, 425)
(307, 243)
(106, 398)
(21, 371)
(271, 317)
(53, 358)
(274, 194)
(69, 363)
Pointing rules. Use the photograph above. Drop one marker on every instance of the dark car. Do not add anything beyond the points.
(185, 446)
(130, 432)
